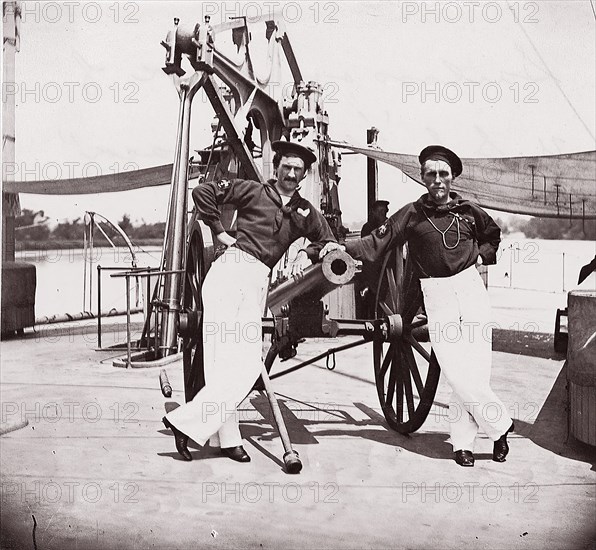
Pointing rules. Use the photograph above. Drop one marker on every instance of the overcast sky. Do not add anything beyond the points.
(486, 79)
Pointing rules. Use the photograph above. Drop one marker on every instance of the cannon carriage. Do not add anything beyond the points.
(405, 369)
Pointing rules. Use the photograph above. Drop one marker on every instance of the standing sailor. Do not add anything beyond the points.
(447, 237)
(270, 217)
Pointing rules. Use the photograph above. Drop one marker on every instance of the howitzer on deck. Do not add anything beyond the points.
(321, 301)
(406, 371)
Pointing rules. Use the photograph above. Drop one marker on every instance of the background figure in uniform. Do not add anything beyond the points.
(270, 217)
(447, 236)
(376, 217)
(371, 270)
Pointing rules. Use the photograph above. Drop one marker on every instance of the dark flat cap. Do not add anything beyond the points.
(438, 152)
(380, 203)
(292, 148)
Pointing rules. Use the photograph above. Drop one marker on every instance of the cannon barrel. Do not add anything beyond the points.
(337, 268)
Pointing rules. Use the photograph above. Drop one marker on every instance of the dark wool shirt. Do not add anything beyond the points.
(478, 235)
(265, 227)
(368, 228)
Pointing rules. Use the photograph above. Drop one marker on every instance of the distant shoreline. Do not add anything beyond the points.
(69, 245)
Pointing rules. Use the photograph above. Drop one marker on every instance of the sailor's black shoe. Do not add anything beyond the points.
(464, 458)
(180, 438)
(501, 447)
(236, 453)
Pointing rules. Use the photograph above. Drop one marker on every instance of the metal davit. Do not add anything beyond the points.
(236, 96)
(170, 283)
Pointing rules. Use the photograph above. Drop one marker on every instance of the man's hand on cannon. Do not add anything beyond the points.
(329, 247)
(301, 262)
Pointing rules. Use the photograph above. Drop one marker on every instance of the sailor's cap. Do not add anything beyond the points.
(295, 149)
(438, 152)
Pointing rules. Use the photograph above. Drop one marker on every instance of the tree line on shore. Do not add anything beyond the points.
(549, 228)
(32, 227)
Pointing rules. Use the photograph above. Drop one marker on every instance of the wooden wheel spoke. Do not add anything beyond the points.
(377, 354)
(392, 290)
(411, 360)
(393, 373)
(190, 343)
(386, 309)
(196, 295)
(407, 385)
(418, 347)
(386, 362)
(194, 274)
(399, 389)
(418, 321)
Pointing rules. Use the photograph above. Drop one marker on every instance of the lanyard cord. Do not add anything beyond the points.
(443, 233)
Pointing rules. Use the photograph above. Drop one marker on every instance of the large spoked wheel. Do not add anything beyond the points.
(192, 342)
(406, 371)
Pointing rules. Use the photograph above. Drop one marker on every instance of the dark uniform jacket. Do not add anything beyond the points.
(368, 228)
(468, 232)
(265, 227)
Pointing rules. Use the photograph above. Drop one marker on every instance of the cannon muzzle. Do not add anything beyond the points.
(337, 268)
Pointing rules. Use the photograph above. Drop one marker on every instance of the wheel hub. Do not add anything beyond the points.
(392, 327)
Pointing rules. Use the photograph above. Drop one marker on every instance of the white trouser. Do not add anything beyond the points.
(458, 311)
(234, 294)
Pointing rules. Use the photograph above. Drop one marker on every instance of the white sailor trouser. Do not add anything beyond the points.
(458, 312)
(234, 294)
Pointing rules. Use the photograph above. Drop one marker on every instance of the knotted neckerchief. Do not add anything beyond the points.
(441, 208)
(283, 210)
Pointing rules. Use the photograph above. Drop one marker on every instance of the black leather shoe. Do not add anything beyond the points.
(500, 447)
(180, 438)
(464, 458)
(236, 453)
